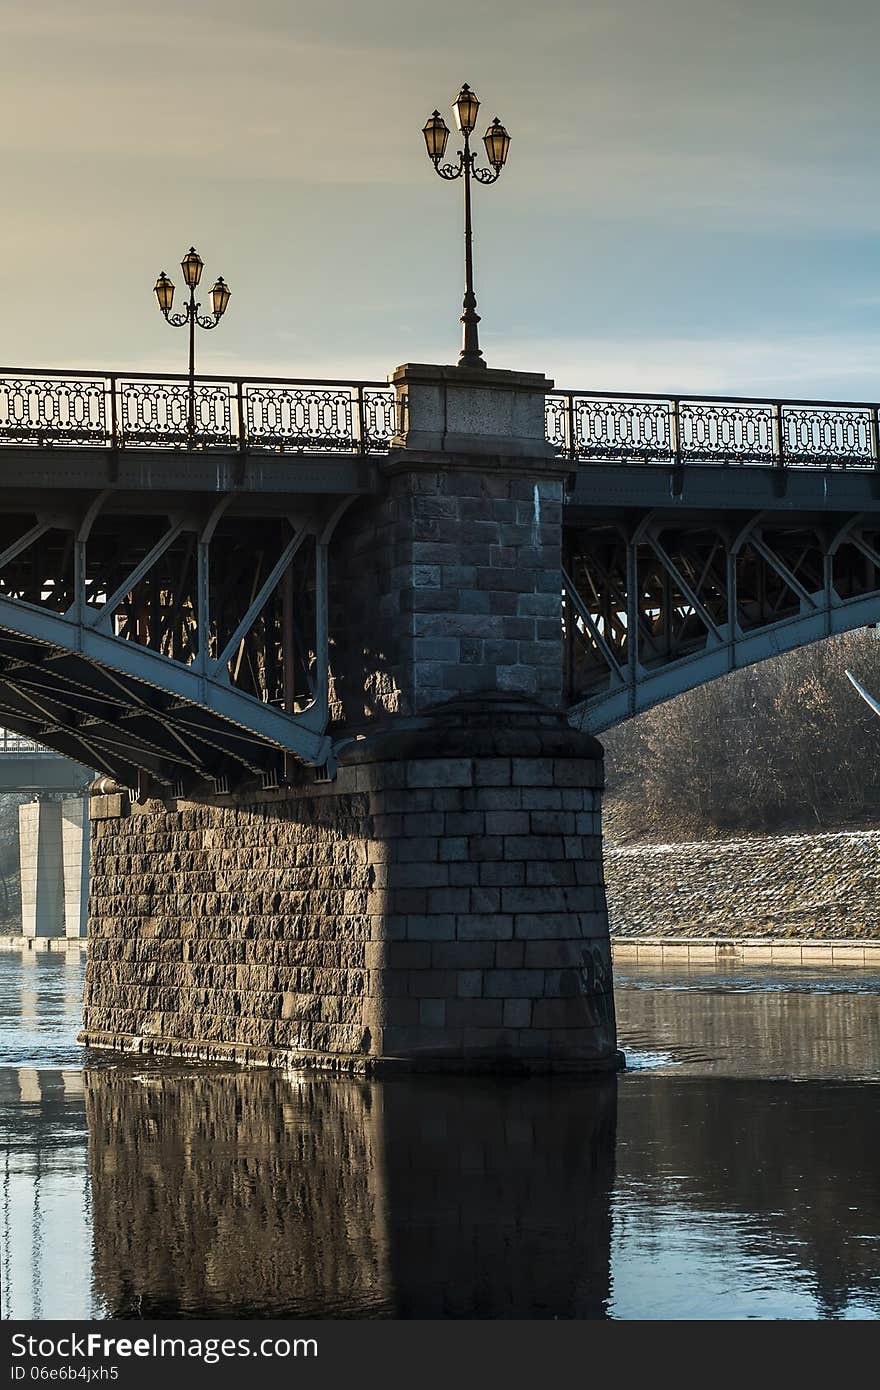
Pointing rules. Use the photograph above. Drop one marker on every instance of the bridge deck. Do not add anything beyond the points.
(165, 602)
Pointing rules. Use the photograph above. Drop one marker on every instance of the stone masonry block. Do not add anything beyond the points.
(546, 926)
(474, 926)
(470, 984)
(513, 984)
(440, 772)
(475, 1013)
(432, 1012)
(462, 955)
(504, 874)
(436, 927)
(510, 955)
(533, 772)
(517, 1013)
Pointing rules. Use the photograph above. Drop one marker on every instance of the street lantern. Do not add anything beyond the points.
(466, 107)
(220, 296)
(497, 141)
(164, 292)
(436, 133)
(191, 265)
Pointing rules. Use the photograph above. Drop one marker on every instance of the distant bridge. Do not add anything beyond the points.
(26, 766)
(164, 593)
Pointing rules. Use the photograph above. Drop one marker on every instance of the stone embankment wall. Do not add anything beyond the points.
(824, 885)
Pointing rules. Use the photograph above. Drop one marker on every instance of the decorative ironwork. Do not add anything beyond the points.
(152, 413)
(148, 411)
(53, 409)
(48, 409)
(301, 417)
(192, 266)
(647, 429)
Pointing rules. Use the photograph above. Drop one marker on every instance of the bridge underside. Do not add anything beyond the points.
(175, 640)
(659, 600)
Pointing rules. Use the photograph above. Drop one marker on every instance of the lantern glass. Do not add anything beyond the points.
(191, 265)
(497, 142)
(164, 292)
(436, 133)
(466, 107)
(220, 296)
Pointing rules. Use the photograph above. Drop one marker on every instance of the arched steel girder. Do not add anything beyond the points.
(631, 685)
(608, 708)
(73, 683)
(122, 709)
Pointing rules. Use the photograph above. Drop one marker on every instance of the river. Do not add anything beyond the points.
(730, 1172)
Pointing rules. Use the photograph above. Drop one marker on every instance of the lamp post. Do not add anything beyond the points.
(497, 142)
(191, 265)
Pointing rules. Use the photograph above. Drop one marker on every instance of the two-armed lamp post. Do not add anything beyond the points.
(191, 265)
(497, 142)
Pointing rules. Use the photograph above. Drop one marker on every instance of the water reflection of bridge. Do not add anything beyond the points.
(241, 1194)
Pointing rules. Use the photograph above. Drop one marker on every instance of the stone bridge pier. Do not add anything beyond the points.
(436, 900)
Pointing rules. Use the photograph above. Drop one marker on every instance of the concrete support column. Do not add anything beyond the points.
(40, 857)
(75, 862)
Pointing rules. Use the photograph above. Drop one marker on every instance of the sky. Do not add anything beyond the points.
(691, 202)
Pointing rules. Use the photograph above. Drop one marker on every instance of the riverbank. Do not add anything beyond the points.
(797, 887)
(801, 890)
(759, 951)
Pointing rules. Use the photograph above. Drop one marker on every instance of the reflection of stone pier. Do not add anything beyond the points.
(223, 1193)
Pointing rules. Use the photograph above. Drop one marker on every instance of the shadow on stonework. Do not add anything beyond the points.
(246, 1194)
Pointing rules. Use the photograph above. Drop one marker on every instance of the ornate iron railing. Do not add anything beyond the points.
(151, 411)
(595, 426)
(277, 415)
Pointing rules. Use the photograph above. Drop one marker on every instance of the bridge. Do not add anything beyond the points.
(53, 841)
(716, 532)
(26, 766)
(361, 579)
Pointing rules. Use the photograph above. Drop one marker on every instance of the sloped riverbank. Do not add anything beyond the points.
(825, 885)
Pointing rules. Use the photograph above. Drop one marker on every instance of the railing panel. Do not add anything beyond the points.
(828, 435)
(379, 405)
(556, 416)
(301, 417)
(624, 429)
(50, 410)
(156, 413)
(710, 432)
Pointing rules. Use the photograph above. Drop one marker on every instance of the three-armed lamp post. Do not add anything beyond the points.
(497, 142)
(191, 265)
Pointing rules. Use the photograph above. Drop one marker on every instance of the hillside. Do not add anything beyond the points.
(784, 746)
